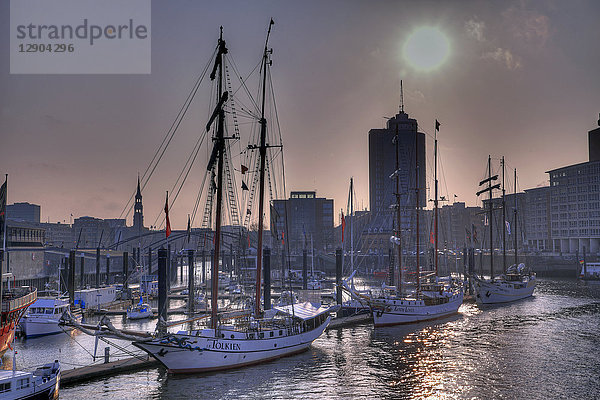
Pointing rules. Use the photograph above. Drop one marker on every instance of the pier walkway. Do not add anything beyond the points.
(96, 371)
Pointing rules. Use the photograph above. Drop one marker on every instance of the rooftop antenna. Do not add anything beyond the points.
(401, 98)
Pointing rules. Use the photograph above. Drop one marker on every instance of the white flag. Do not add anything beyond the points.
(507, 227)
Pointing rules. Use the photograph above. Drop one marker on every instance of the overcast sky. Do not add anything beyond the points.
(521, 80)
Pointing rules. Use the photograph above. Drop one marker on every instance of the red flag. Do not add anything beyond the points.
(244, 169)
(282, 238)
(343, 226)
(431, 238)
(168, 228)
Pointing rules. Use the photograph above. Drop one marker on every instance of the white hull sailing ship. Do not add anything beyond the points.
(405, 310)
(435, 298)
(504, 289)
(238, 345)
(517, 282)
(233, 341)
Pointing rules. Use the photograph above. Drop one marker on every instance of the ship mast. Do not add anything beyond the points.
(435, 199)
(217, 155)
(490, 217)
(417, 207)
(489, 189)
(398, 210)
(263, 155)
(3, 202)
(515, 223)
(351, 224)
(503, 217)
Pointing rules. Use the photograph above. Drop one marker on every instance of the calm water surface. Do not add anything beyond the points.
(544, 347)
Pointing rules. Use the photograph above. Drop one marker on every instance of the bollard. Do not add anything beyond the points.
(97, 267)
(191, 281)
(82, 272)
(71, 277)
(267, 277)
(125, 270)
(162, 286)
(338, 275)
(304, 270)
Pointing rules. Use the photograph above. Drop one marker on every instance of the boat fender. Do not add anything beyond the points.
(162, 352)
(379, 313)
(487, 294)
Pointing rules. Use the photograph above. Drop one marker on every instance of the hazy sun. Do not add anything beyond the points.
(426, 48)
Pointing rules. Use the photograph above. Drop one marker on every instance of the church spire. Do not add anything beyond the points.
(138, 208)
(139, 191)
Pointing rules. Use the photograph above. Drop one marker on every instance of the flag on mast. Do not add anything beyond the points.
(437, 125)
(168, 227)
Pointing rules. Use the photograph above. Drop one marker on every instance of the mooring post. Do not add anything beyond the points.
(82, 272)
(203, 266)
(304, 270)
(97, 267)
(162, 287)
(71, 284)
(338, 275)
(267, 277)
(108, 280)
(191, 281)
(125, 270)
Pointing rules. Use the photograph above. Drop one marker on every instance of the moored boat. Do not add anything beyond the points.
(243, 339)
(242, 342)
(42, 383)
(15, 302)
(140, 310)
(517, 282)
(43, 316)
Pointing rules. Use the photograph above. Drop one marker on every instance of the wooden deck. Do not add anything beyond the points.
(97, 371)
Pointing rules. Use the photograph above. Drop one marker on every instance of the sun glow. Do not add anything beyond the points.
(426, 49)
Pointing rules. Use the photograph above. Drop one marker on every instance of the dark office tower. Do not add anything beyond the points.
(138, 210)
(594, 143)
(382, 164)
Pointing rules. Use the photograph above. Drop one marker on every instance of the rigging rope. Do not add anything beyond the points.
(168, 137)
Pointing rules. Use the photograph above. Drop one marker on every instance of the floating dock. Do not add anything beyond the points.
(343, 322)
(96, 371)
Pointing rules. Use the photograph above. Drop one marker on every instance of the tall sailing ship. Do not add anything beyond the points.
(517, 281)
(246, 339)
(434, 297)
(14, 301)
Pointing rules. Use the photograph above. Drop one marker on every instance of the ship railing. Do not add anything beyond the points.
(21, 301)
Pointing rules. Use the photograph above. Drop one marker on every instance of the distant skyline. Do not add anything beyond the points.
(519, 80)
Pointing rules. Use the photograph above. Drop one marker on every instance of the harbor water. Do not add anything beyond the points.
(547, 346)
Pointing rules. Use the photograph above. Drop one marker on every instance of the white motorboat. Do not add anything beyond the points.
(43, 383)
(43, 316)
